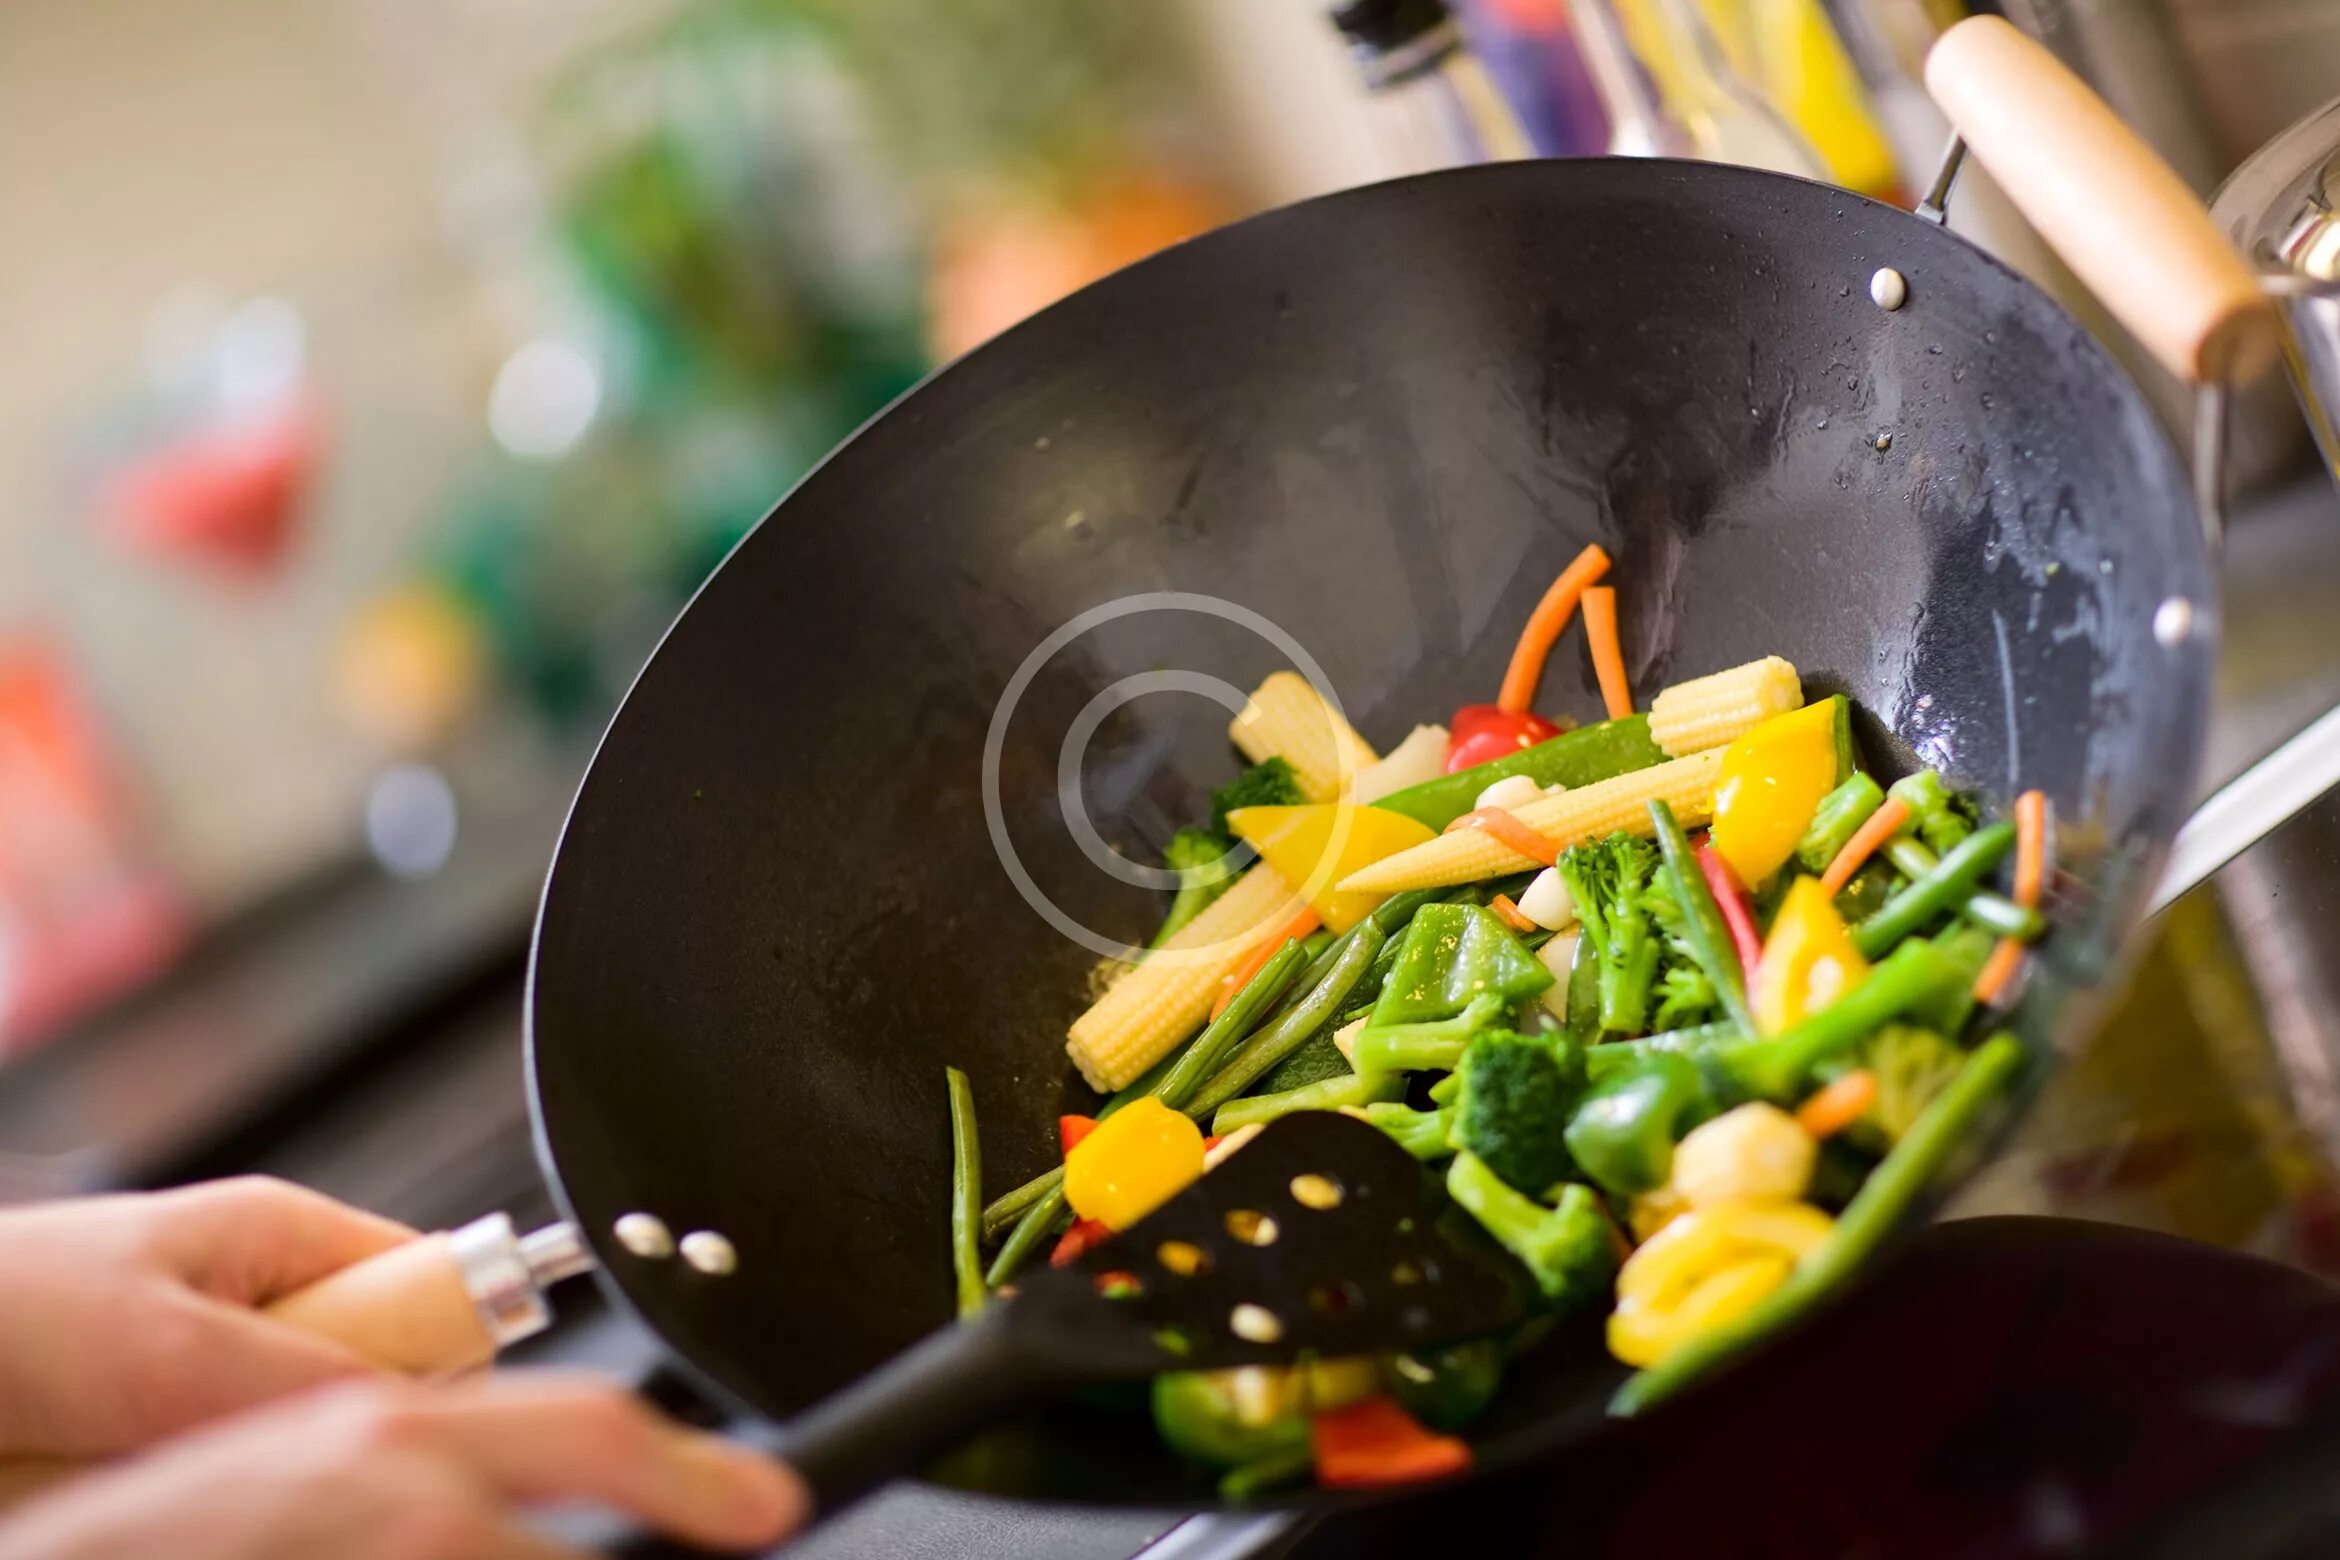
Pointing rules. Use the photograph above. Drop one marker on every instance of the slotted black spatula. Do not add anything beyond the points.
(1314, 1239)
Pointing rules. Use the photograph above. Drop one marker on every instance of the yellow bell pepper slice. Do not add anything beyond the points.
(1312, 848)
(1808, 959)
(1705, 1268)
(1771, 782)
(1132, 1162)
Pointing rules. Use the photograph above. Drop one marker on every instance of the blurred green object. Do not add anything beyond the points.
(980, 93)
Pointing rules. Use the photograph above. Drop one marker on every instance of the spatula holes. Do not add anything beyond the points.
(1336, 1299)
(1252, 1227)
(1175, 1341)
(1183, 1258)
(1320, 1192)
(1410, 1271)
(1415, 1317)
(1119, 1285)
(1255, 1323)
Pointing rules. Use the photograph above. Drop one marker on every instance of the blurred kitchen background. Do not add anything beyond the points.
(384, 374)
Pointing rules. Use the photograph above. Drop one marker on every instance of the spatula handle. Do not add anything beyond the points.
(918, 1402)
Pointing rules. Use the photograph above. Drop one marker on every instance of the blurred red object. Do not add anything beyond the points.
(82, 914)
(224, 495)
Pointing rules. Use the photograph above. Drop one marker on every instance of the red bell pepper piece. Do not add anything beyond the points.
(1730, 896)
(1482, 733)
(1084, 1236)
(1071, 1129)
(1374, 1442)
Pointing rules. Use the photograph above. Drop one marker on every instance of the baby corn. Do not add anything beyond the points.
(1716, 710)
(1588, 813)
(1285, 719)
(1160, 1002)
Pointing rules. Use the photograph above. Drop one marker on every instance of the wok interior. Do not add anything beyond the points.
(1382, 421)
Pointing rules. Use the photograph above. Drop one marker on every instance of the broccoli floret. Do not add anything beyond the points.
(1685, 998)
(1685, 993)
(1421, 1133)
(1199, 857)
(1912, 1066)
(1517, 1091)
(1943, 817)
(1268, 783)
(1607, 882)
(1567, 1248)
(1968, 948)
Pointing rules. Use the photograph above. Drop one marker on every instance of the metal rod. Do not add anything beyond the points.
(2210, 401)
(2251, 806)
(1935, 208)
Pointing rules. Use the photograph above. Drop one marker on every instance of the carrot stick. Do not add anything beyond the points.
(1838, 1104)
(2030, 878)
(2006, 958)
(1880, 827)
(1513, 916)
(1512, 832)
(1544, 627)
(2030, 848)
(1256, 960)
(1608, 656)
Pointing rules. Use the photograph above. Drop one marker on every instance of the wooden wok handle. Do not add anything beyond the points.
(2116, 213)
(439, 1305)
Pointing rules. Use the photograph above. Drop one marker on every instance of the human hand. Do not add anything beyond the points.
(127, 1318)
(393, 1470)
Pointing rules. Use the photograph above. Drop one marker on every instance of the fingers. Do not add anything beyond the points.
(254, 1239)
(537, 1438)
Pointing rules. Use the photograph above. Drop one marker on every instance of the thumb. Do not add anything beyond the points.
(255, 1239)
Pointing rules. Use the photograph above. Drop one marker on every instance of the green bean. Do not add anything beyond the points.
(1324, 1094)
(1867, 1220)
(1616, 1056)
(1913, 975)
(1710, 942)
(1042, 1219)
(1991, 912)
(1172, 1078)
(1011, 1206)
(1284, 1036)
(1210, 1047)
(966, 1194)
(1938, 893)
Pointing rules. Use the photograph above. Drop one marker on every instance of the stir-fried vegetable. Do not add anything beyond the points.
(1606, 883)
(1566, 1246)
(1513, 1110)
(1545, 625)
(966, 1194)
(1660, 1028)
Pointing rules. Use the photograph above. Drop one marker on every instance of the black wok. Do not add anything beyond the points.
(1366, 431)
(1382, 421)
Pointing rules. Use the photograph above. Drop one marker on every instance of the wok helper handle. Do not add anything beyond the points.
(441, 1304)
(2105, 201)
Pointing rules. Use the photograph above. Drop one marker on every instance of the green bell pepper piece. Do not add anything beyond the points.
(1453, 955)
(1623, 1132)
